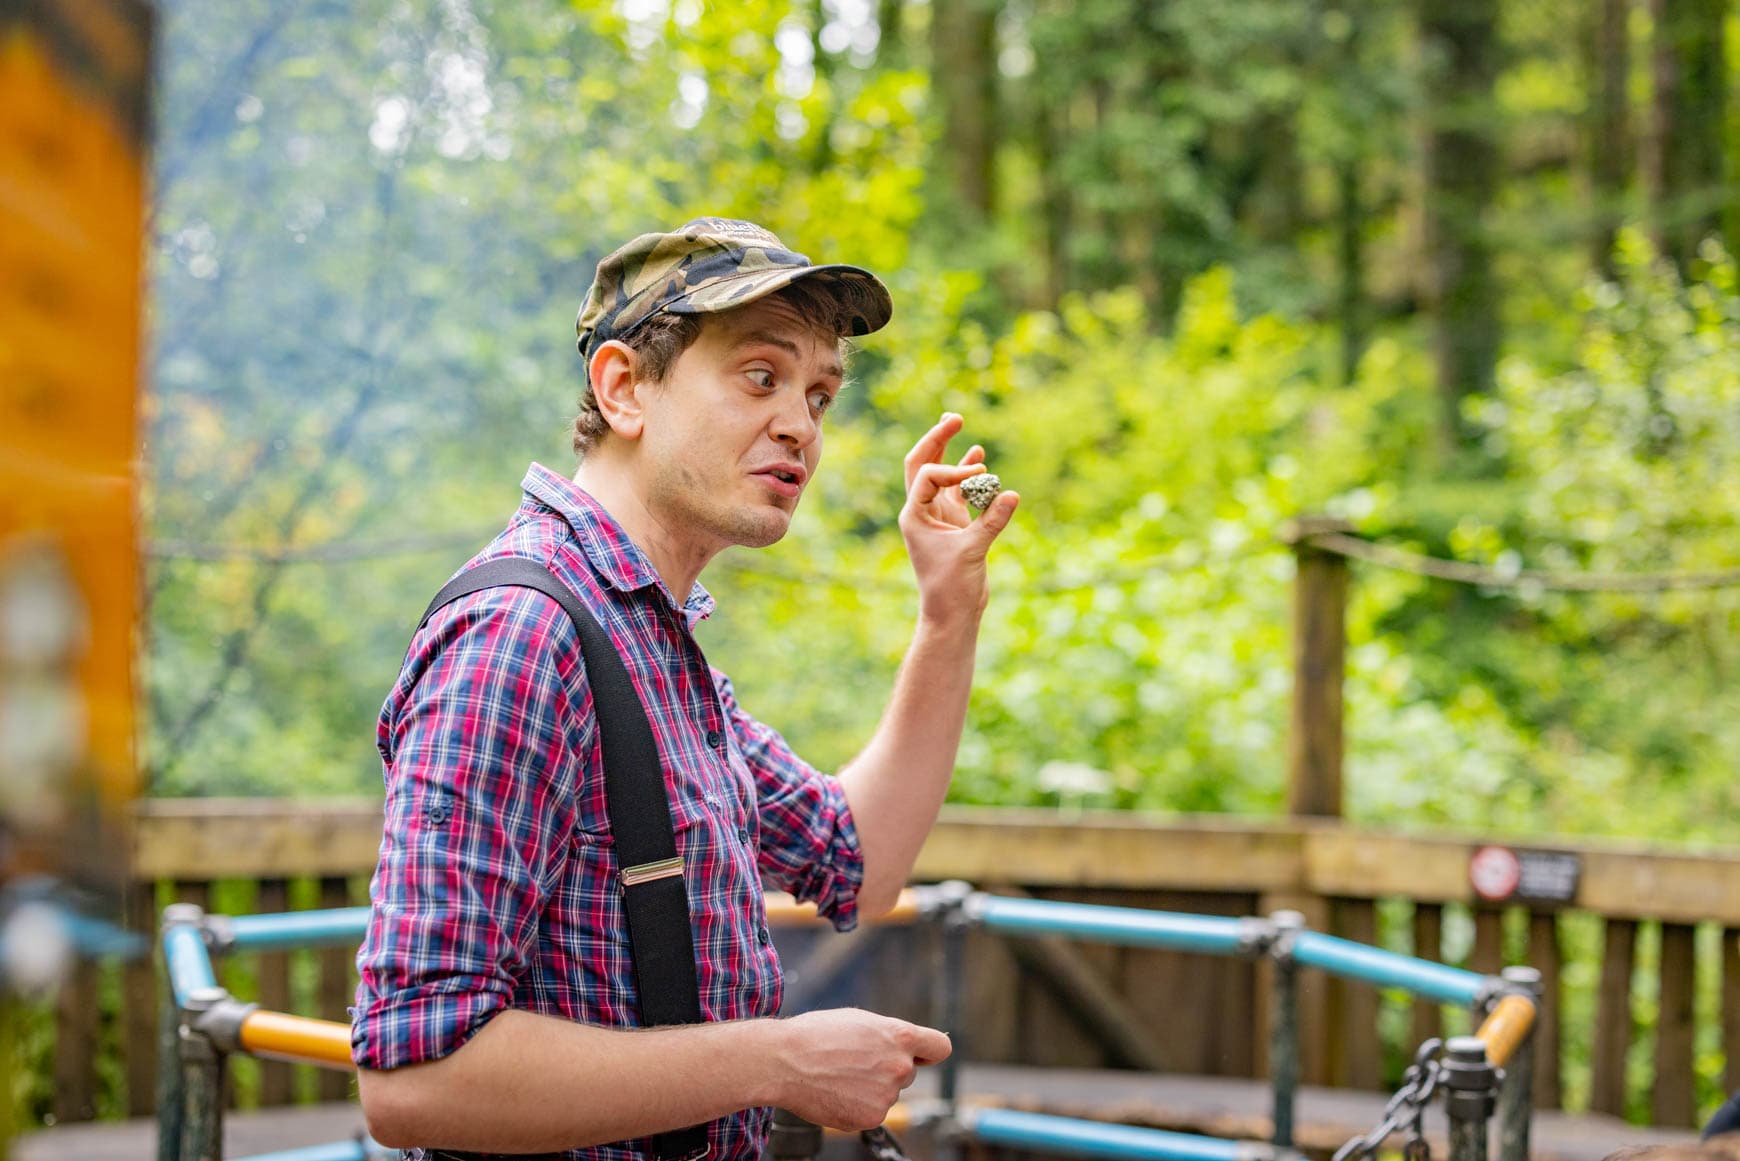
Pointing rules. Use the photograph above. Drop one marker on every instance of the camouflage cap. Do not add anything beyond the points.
(715, 264)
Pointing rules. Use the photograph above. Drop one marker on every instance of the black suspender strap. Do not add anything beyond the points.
(653, 893)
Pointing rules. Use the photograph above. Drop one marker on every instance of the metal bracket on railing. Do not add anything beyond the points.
(1256, 936)
(183, 915)
(221, 1023)
(1516, 1091)
(953, 912)
(1492, 990)
(202, 1078)
(1283, 930)
(947, 902)
(220, 934)
(1470, 1092)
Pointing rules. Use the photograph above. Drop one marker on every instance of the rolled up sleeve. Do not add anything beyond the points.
(809, 846)
(482, 751)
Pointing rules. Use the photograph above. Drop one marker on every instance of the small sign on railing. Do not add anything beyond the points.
(1501, 874)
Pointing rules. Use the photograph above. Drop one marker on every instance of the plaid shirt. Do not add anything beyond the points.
(497, 884)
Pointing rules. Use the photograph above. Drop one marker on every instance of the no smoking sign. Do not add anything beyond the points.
(1500, 874)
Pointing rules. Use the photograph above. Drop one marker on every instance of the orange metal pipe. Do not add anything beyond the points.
(327, 1043)
(297, 1038)
(788, 913)
(1506, 1026)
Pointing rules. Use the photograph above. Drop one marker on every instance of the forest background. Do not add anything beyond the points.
(1452, 270)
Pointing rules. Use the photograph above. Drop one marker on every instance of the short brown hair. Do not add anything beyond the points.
(661, 340)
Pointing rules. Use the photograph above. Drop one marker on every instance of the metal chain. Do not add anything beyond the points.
(1405, 1110)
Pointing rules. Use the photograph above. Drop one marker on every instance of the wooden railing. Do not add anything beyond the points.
(1052, 1004)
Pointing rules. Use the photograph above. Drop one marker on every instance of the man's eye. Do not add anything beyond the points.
(762, 378)
(821, 401)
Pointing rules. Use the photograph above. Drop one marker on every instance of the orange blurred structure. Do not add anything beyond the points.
(73, 99)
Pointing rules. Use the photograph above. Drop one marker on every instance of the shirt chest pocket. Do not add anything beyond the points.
(690, 814)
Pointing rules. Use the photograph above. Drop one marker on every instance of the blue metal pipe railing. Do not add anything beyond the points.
(336, 1151)
(1038, 1131)
(190, 970)
(1388, 969)
(1121, 925)
(297, 929)
(188, 961)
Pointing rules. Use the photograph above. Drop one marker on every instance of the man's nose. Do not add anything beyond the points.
(793, 423)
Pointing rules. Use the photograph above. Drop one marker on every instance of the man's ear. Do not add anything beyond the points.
(615, 370)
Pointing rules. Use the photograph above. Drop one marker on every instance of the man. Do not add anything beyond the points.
(497, 1005)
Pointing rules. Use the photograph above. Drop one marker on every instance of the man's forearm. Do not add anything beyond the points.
(897, 784)
(532, 1084)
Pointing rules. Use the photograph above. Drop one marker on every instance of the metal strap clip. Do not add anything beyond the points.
(648, 872)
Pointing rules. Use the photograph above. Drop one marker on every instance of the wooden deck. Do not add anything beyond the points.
(1216, 1105)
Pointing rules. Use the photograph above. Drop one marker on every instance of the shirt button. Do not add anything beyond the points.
(761, 934)
(743, 834)
(715, 739)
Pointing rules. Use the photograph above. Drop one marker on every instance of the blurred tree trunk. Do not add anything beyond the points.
(1684, 163)
(1051, 134)
(963, 40)
(1277, 200)
(890, 34)
(1350, 211)
(1461, 164)
(1607, 65)
(827, 68)
(1349, 229)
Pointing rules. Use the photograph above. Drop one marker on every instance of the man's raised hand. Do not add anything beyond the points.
(947, 546)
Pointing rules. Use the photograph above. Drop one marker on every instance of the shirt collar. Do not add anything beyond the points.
(617, 559)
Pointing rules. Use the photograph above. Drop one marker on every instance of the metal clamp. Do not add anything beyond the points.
(950, 903)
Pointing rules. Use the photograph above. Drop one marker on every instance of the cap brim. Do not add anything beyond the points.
(866, 305)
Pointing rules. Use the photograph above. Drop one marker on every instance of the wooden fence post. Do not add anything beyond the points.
(1319, 663)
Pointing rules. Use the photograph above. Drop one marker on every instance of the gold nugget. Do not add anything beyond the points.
(980, 490)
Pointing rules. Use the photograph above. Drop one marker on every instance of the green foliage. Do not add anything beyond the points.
(372, 229)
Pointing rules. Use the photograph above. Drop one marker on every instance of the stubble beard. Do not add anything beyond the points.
(704, 510)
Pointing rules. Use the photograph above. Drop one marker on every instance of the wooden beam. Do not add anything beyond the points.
(1546, 956)
(261, 838)
(1428, 1016)
(77, 1025)
(139, 1002)
(272, 972)
(1613, 1018)
(337, 987)
(1314, 737)
(1037, 848)
(1673, 1097)
(1632, 880)
(1356, 919)
(1730, 992)
(1488, 954)
(202, 839)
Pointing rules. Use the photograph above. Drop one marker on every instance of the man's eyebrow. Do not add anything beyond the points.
(753, 338)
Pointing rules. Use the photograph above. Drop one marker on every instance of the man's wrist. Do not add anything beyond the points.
(767, 1055)
(945, 619)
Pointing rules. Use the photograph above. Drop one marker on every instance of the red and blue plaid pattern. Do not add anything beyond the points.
(497, 885)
